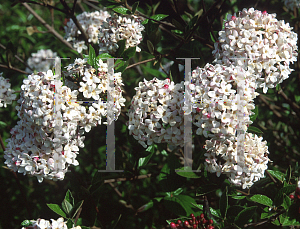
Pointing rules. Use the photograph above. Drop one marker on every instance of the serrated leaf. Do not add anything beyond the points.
(56, 208)
(66, 206)
(135, 6)
(277, 174)
(255, 130)
(244, 216)
(223, 203)
(121, 10)
(69, 197)
(262, 199)
(187, 172)
(121, 45)
(204, 189)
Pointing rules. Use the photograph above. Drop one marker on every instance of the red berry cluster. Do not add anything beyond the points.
(198, 222)
(296, 196)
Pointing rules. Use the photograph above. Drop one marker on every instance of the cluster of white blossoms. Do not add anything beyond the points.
(94, 86)
(41, 61)
(156, 114)
(90, 23)
(291, 4)
(215, 101)
(222, 157)
(268, 44)
(117, 28)
(45, 141)
(6, 93)
(46, 224)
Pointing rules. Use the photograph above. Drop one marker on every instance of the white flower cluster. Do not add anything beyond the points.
(90, 23)
(268, 44)
(41, 61)
(156, 113)
(46, 224)
(45, 141)
(215, 101)
(94, 86)
(118, 28)
(223, 157)
(291, 4)
(6, 93)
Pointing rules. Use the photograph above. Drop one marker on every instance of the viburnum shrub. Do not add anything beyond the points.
(188, 141)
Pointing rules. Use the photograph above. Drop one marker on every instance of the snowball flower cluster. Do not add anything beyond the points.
(45, 141)
(291, 4)
(94, 86)
(6, 93)
(41, 61)
(268, 44)
(46, 224)
(222, 157)
(156, 113)
(117, 28)
(215, 100)
(90, 23)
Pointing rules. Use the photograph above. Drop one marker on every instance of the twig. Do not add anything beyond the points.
(78, 214)
(2, 143)
(272, 218)
(271, 177)
(141, 62)
(293, 105)
(52, 30)
(127, 179)
(13, 68)
(91, 5)
(44, 4)
(116, 190)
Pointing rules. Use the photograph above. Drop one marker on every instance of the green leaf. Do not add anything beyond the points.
(204, 189)
(181, 205)
(288, 174)
(157, 17)
(56, 208)
(121, 10)
(233, 211)
(135, 6)
(178, 191)
(69, 197)
(150, 46)
(144, 160)
(177, 31)
(115, 222)
(146, 206)
(212, 211)
(121, 45)
(70, 223)
(104, 56)
(286, 202)
(254, 116)
(277, 174)
(26, 223)
(267, 213)
(261, 199)
(285, 190)
(212, 37)
(223, 203)
(66, 206)
(238, 197)
(76, 208)
(154, 72)
(92, 57)
(255, 130)
(244, 216)
(128, 53)
(2, 124)
(187, 172)
(223, 25)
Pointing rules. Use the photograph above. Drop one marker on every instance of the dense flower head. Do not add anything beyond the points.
(90, 23)
(94, 86)
(41, 61)
(291, 4)
(46, 224)
(222, 157)
(268, 45)
(156, 113)
(215, 100)
(117, 28)
(45, 141)
(6, 93)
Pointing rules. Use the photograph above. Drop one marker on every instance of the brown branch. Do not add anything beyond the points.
(271, 219)
(127, 179)
(141, 62)
(78, 214)
(44, 4)
(52, 30)
(14, 69)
